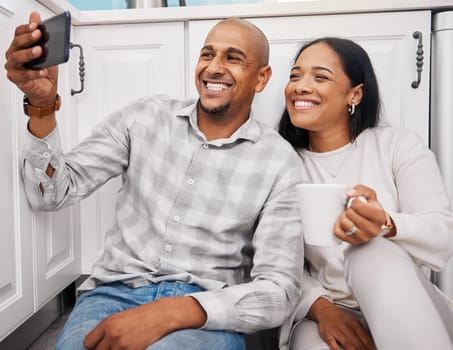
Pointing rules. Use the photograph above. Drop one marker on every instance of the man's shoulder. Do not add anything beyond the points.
(270, 136)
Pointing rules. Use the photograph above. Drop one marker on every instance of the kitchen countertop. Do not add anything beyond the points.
(269, 8)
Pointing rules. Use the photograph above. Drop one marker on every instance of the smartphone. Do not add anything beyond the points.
(54, 41)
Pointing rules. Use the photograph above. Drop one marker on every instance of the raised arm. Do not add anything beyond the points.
(40, 86)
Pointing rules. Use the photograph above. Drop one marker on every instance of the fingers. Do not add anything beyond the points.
(22, 51)
(39, 85)
(23, 48)
(94, 338)
(362, 219)
(362, 190)
(349, 336)
(357, 224)
(333, 344)
(35, 17)
(364, 338)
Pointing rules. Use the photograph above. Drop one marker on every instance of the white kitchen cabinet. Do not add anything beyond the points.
(39, 252)
(441, 115)
(387, 37)
(123, 63)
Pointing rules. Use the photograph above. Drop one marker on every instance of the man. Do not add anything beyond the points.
(206, 244)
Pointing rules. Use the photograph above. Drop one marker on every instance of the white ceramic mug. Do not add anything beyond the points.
(320, 207)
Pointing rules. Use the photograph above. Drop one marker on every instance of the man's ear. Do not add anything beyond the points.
(264, 75)
(357, 94)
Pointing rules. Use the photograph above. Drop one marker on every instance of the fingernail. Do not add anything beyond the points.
(352, 192)
(36, 50)
(35, 34)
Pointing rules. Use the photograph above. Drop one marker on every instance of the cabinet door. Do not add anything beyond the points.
(57, 234)
(123, 63)
(16, 277)
(387, 37)
(36, 262)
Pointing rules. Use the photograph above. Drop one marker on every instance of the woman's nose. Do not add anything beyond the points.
(302, 86)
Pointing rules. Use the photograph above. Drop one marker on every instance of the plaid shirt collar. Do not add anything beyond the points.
(250, 130)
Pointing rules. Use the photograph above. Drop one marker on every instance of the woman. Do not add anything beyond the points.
(371, 291)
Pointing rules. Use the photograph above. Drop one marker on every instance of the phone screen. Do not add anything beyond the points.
(54, 41)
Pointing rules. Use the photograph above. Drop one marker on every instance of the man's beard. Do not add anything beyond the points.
(215, 112)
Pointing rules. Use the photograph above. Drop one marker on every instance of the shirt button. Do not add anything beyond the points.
(46, 154)
(168, 248)
(190, 181)
(50, 187)
(176, 218)
(205, 146)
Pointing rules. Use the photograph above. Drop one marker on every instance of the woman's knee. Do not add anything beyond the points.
(378, 263)
(305, 336)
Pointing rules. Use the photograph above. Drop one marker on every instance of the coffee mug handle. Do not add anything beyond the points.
(352, 199)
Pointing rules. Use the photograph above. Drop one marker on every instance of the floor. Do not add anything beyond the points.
(48, 339)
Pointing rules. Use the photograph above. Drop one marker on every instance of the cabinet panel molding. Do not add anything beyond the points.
(391, 47)
(16, 278)
(123, 63)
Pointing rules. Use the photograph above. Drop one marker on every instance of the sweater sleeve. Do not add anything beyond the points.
(424, 220)
(311, 291)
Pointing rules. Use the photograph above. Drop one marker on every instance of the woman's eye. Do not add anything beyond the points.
(320, 77)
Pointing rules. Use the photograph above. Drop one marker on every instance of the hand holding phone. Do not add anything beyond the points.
(55, 41)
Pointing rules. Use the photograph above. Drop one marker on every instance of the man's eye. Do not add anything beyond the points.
(231, 58)
(294, 77)
(206, 55)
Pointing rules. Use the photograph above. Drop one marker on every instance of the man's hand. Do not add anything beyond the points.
(39, 85)
(139, 327)
(338, 328)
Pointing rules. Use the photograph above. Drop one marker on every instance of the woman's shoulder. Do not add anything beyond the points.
(390, 131)
(394, 140)
(391, 134)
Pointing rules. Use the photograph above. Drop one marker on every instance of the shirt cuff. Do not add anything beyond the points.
(220, 310)
(40, 152)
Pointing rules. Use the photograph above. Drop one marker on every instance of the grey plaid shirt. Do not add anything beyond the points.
(221, 214)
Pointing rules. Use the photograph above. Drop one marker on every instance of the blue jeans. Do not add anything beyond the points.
(94, 306)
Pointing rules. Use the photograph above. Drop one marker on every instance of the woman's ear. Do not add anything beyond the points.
(264, 75)
(357, 94)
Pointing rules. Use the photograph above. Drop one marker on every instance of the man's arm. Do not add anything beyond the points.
(39, 85)
(145, 324)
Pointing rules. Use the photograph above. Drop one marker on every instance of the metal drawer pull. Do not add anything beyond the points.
(81, 69)
(419, 59)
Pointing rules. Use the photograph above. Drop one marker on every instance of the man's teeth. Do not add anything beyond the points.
(216, 87)
(303, 104)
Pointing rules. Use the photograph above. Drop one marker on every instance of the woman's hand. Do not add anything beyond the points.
(39, 85)
(363, 219)
(338, 328)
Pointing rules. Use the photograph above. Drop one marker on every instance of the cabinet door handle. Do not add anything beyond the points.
(419, 59)
(81, 69)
